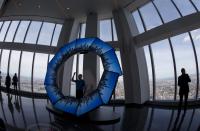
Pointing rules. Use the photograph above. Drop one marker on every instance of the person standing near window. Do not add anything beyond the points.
(80, 86)
(183, 81)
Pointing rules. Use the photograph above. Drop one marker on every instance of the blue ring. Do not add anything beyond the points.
(105, 87)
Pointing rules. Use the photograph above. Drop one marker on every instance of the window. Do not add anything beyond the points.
(196, 38)
(33, 32)
(197, 3)
(149, 67)
(164, 70)
(167, 10)
(185, 7)
(184, 56)
(11, 31)
(150, 16)
(56, 34)
(83, 29)
(114, 31)
(4, 64)
(119, 91)
(25, 71)
(138, 21)
(4, 30)
(40, 67)
(46, 33)
(14, 62)
(105, 30)
(21, 32)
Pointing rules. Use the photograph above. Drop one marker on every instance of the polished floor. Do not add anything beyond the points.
(30, 114)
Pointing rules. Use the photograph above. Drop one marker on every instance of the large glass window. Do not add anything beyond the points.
(167, 10)
(138, 21)
(114, 31)
(197, 3)
(56, 34)
(11, 31)
(185, 7)
(196, 38)
(4, 30)
(164, 70)
(25, 71)
(14, 62)
(105, 30)
(33, 31)
(46, 33)
(4, 64)
(83, 29)
(149, 67)
(21, 31)
(119, 91)
(40, 66)
(184, 56)
(150, 16)
(78, 59)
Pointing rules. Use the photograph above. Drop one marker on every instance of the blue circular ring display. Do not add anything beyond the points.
(105, 87)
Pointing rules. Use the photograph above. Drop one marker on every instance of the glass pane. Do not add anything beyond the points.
(105, 30)
(1, 24)
(185, 59)
(185, 7)
(46, 33)
(25, 71)
(51, 56)
(14, 62)
(167, 10)
(73, 85)
(150, 16)
(4, 30)
(56, 34)
(197, 3)
(149, 67)
(33, 31)
(83, 28)
(164, 70)
(114, 31)
(40, 67)
(81, 58)
(11, 31)
(196, 38)
(138, 21)
(119, 91)
(21, 31)
(4, 64)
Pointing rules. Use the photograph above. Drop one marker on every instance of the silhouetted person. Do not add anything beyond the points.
(14, 83)
(80, 85)
(7, 83)
(183, 81)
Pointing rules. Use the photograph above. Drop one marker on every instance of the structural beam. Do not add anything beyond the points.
(28, 47)
(135, 74)
(176, 27)
(136, 4)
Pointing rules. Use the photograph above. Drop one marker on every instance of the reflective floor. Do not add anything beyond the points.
(26, 113)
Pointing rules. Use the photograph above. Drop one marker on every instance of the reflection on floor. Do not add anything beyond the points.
(26, 112)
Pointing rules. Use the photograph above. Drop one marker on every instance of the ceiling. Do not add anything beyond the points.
(63, 8)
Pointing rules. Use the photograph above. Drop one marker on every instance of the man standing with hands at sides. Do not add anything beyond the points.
(183, 81)
(80, 85)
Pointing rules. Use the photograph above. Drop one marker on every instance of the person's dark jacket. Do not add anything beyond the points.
(183, 81)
